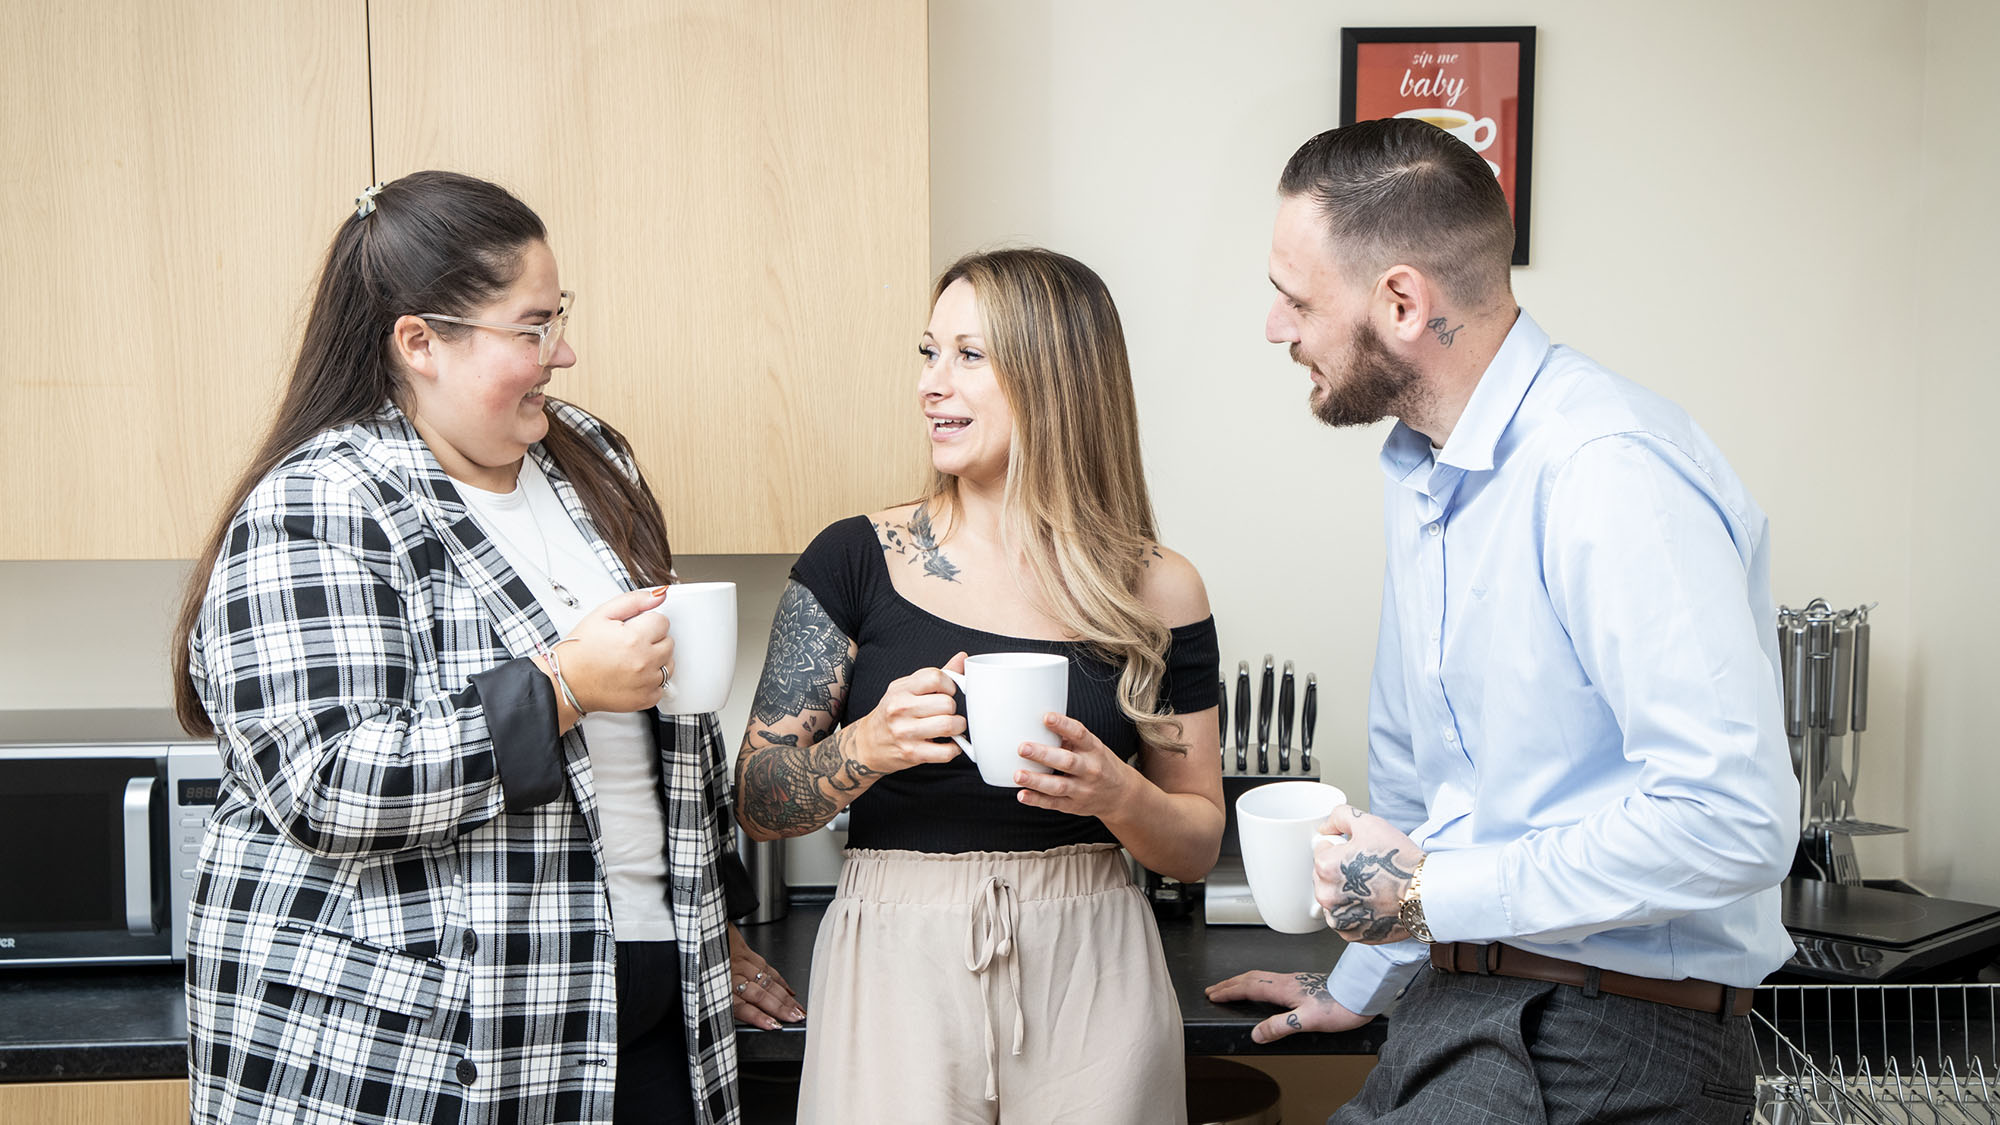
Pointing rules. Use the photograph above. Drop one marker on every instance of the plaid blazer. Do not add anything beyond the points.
(400, 912)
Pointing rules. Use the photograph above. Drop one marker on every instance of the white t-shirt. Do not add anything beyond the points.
(538, 539)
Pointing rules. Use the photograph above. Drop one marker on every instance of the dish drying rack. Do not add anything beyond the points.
(1878, 1054)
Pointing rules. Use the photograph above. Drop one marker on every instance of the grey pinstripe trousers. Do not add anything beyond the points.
(1486, 1050)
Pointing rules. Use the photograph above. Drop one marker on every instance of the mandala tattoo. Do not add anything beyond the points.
(786, 784)
(808, 656)
(917, 542)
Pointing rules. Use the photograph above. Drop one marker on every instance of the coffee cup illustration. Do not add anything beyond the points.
(1476, 132)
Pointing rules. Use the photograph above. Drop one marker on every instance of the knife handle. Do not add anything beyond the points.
(1242, 716)
(1266, 696)
(1222, 712)
(1309, 713)
(1285, 711)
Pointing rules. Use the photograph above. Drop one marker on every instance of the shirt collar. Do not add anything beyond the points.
(1494, 401)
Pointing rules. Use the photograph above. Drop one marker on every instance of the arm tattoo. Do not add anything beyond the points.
(1437, 325)
(786, 784)
(792, 790)
(917, 542)
(808, 656)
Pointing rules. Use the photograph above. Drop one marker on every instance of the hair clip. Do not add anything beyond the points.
(364, 204)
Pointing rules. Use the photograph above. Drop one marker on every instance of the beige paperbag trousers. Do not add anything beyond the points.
(1018, 987)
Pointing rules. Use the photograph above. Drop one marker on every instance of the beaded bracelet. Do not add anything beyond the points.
(555, 669)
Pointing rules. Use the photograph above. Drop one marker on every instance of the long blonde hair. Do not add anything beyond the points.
(1075, 501)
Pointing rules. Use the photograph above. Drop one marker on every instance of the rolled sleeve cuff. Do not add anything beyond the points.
(1464, 899)
(520, 706)
(1368, 977)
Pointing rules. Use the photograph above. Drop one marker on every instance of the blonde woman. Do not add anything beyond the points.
(986, 956)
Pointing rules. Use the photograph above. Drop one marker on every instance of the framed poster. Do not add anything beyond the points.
(1477, 83)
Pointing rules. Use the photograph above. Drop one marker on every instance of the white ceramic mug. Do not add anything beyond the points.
(1475, 132)
(1006, 695)
(701, 618)
(1278, 825)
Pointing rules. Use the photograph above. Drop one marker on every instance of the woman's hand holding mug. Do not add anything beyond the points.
(903, 729)
(618, 656)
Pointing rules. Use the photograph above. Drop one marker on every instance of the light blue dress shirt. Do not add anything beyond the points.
(1576, 706)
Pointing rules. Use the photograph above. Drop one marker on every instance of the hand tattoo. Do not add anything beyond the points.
(1292, 1021)
(917, 542)
(1436, 325)
(1362, 868)
(1312, 986)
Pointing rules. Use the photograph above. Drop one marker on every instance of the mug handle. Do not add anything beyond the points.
(1491, 128)
(1319, 911)
(963, 744)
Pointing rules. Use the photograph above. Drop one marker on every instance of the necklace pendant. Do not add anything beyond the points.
(562, 592)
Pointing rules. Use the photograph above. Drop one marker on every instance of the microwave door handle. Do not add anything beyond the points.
(139, 856)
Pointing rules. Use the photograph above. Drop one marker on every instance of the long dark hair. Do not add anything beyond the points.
(435, 242)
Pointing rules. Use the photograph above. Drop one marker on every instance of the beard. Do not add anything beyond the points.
(1370, 384)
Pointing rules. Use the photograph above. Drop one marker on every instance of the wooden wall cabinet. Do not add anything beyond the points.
(737, 190)
(173, 172)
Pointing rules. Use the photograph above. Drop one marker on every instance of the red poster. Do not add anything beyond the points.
(1476, 83)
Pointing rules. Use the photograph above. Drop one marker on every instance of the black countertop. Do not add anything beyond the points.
(131, 1022)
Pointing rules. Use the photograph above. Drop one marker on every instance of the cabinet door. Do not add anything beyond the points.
(173, 173)
(738, 192)
(161, 1101)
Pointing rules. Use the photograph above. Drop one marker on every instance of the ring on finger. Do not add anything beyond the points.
(663, 679)
(741, 985)
(760, 978)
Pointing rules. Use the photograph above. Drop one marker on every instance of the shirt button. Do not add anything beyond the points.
(471, 943)
(1433, 529)
(1434, 634)
(1451, 737)
(467, 1073)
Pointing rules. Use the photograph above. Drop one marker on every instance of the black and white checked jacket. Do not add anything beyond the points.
(400, 913)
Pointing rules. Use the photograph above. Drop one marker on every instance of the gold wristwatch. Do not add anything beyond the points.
(1410, 911)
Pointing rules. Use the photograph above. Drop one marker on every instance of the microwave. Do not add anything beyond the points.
(98, 840)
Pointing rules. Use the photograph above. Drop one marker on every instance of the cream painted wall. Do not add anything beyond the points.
(1760, 271)
(1954, 763)
(1725, 209)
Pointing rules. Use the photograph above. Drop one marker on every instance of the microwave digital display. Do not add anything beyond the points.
(200, 791)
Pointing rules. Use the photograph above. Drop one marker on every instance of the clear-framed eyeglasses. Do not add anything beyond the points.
(549, 334)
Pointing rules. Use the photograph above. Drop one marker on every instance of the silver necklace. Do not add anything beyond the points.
(546, 569)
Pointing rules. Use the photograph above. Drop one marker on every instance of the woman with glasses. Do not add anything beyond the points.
(986, 955)
(460, 870)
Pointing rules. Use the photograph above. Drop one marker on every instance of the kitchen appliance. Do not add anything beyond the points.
(101, 817)
(1226, 898)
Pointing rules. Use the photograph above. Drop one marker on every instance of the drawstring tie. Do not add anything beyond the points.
(995, 911)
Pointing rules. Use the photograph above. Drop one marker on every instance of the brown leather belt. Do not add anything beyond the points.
(1507, 961)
